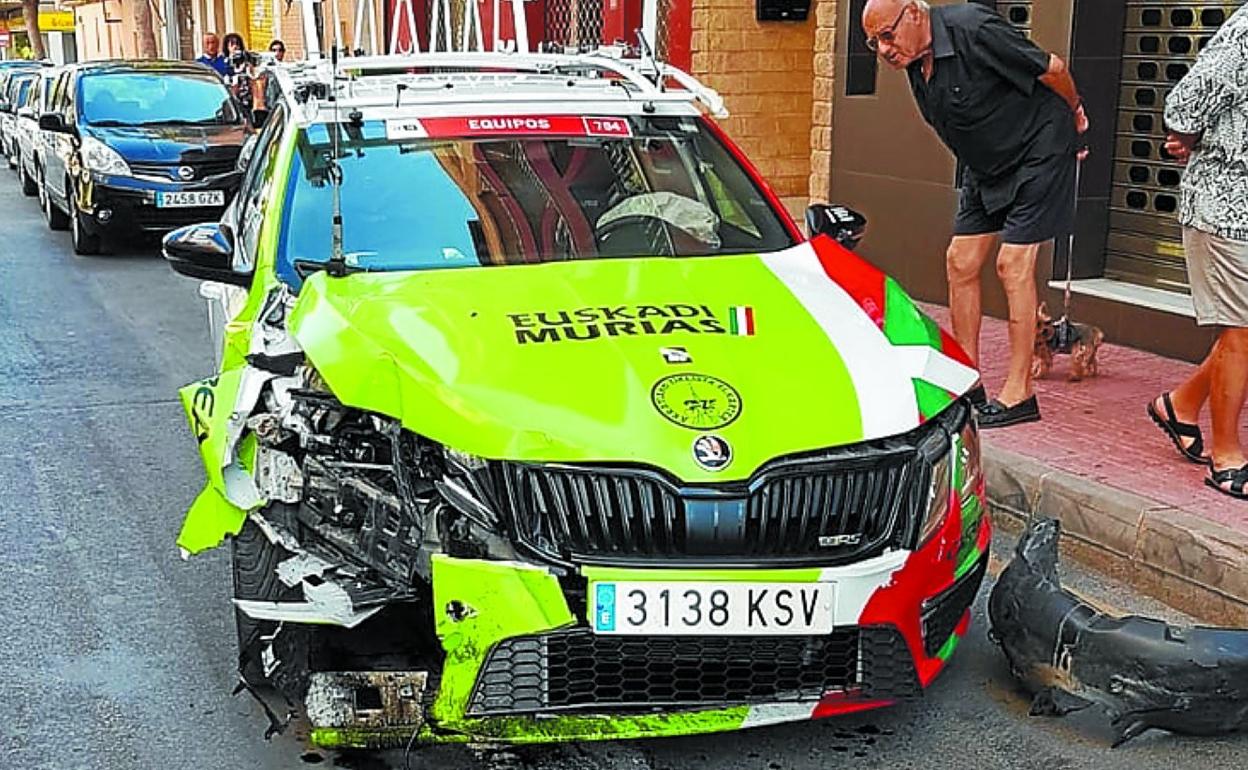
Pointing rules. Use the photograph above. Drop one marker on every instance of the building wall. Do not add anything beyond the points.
(105, 31)
(765, 72)
(823, 97)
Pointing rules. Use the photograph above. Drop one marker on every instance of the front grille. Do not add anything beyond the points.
(203, 169)
(832, 507)
(943, 613)
(577, 670)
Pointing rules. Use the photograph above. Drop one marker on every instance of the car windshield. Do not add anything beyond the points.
(143, 98)
(658, 187)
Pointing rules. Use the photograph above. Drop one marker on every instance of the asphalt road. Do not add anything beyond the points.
(115, 653)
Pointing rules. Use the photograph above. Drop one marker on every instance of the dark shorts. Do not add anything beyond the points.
(1042, 209)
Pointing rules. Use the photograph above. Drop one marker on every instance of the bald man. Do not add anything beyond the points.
(1011, 114)
(212, 54)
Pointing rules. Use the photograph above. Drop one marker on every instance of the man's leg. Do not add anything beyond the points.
(963, 262)
(1226, 397)
(1016, 266)
(1189, 398)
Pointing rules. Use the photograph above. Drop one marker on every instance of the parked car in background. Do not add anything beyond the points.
(13, 94)
(141, 145)
(10, 71)
(26, 127)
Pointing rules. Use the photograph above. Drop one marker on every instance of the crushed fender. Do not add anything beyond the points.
(1144, 673)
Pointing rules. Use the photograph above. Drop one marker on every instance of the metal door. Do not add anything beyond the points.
(1162, 39)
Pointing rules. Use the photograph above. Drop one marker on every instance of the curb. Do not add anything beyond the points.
(1192, 564)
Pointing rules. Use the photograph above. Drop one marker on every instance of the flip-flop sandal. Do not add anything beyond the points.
(1237, 478)
(1177, 431)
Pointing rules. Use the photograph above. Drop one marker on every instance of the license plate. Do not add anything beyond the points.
(189, 199)
(702, 609)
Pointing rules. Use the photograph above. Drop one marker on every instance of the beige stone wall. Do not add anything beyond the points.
(823, 95)
(765, 72)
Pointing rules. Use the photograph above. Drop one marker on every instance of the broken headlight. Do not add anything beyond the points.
(952, 452)
(936, 504)
(970, 471)
(467, 489)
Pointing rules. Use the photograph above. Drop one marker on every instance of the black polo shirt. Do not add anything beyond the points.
(985, 102)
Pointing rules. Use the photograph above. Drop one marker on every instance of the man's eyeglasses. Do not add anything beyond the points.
(886, 36)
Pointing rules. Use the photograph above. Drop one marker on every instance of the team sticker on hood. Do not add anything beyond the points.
(591, 323)
(696, 401)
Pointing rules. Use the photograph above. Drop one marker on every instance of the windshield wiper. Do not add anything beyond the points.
(109, 123)
(306, 267)
(183, 122)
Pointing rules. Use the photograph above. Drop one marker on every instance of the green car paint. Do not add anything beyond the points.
(559, 729)
(478, 604)
(905, 324)
(209, 404)
(466, 358)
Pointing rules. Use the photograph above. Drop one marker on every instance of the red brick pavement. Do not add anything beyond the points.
(1098, 428)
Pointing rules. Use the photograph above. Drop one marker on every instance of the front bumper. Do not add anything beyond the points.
(521, 665)
(130, 203)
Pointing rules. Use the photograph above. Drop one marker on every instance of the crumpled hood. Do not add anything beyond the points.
(632, 360)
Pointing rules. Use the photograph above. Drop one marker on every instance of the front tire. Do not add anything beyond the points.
(29, 188)
(56, 219)
(85, 243)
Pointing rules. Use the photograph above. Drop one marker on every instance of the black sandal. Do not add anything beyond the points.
(1177, 431)
(1237, 476)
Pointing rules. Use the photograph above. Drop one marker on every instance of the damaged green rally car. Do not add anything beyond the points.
(537, 419)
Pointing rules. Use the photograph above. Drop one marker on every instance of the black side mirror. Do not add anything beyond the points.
(51, 121)
(204, 251)
(843, 224)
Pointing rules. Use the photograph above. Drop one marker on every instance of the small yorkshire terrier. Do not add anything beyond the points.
(1081, 341)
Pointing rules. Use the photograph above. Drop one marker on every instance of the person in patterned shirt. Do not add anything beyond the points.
(1207, 121)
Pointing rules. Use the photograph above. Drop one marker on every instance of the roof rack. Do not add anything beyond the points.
(430, 78)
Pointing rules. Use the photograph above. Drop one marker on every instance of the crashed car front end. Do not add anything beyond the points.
(484, 583)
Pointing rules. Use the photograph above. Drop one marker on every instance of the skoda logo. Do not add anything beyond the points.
(186, 173)
(711, 452)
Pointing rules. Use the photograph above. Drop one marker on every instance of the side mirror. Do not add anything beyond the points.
(843, 224)
(204, 251)
(249, 149)
(54, 122)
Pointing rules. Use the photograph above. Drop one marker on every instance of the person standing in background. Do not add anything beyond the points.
(1011, 114)
(212, 54)
(1207, 120)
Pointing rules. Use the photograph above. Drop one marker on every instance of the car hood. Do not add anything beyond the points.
(632, 360)
(171, 144)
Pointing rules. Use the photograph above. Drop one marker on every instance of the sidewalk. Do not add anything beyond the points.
(1128, 502)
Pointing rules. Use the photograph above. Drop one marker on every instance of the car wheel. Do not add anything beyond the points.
(255, 561)
(85, 243)
(55, 217)
(29, 189)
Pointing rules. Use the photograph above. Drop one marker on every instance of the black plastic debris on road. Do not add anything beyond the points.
(1144, 673)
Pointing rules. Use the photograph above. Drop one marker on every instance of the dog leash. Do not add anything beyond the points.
(1064, 334)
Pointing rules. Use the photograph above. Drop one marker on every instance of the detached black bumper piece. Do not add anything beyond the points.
(1144, 673)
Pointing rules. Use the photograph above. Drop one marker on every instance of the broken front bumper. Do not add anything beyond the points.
(522, 666)
(1144, 673)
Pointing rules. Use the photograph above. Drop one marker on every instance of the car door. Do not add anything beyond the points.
(26, 116)
(58, 146)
